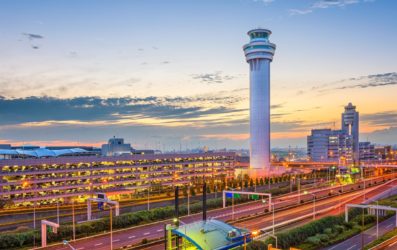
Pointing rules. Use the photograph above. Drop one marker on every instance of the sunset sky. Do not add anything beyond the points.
(167, 73)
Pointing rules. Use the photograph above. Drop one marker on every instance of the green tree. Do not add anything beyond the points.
(192, 191)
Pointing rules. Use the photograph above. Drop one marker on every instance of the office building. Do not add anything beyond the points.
(367, 151)
(338, 145)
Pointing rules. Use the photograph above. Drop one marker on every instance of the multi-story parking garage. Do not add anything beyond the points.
(47, 180)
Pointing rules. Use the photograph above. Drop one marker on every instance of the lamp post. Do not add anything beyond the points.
(273, 218)
(110, 224)
(377, 220)
(188, 198)
(74, 222)
(58, 211)
(299, 189)
(314, 204)
(148, 198)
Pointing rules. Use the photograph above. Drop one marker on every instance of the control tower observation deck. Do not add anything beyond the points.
(259, 53)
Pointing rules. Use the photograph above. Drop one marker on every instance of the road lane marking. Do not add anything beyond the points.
(160, 230)
(98, 244)
(352, 247)
(116, 240)
(130, 237)
(80, 248)
(146, 233)
(389, 225)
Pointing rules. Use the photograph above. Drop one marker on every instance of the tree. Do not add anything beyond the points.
(6, 203)
(261, 182)
(251, 182)
(192, 191)
(208, 189)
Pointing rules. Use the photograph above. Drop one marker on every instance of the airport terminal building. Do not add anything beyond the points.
(56, 178)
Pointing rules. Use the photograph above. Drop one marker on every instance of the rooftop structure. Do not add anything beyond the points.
(211, 234)
(40, 153)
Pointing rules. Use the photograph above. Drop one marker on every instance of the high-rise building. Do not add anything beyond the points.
(337, 145)
(259, 53)
(329, 145)
(350, 125)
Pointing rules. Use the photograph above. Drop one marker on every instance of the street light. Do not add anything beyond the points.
(299, 189)
(314, 204)
(111, 225)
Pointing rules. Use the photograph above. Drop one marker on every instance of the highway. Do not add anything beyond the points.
(11, 219)
(135, 235)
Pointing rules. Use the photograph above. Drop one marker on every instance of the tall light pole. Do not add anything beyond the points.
(111, 228)
(148, 198)
(314, 204)
(73, 221)
(188, 198)
(299, 189)
(273, 217)
(377, 220)
(58, 211)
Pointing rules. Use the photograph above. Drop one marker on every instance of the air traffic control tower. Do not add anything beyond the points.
(259, 53)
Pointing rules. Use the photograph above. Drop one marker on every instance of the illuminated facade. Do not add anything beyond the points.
(48, 180)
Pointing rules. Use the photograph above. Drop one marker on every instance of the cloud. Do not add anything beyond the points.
(324, 4)
(378, 80)
(32, 39)
(31, 36)
(165, 62)
(266, 2)
(360, 82)
(210, 78)
(387, 118)
(40, 111)
(299, 12)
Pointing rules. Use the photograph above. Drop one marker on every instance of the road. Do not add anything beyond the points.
(135, 235)
(11, 219)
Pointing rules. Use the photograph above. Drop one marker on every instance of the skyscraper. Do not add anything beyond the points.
(350, 123)
(259, 53)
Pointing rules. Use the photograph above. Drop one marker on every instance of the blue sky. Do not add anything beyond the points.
(173, 72)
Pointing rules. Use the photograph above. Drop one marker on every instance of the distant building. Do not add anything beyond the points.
(337, 145)
(116, 147)
(383, 153)
(350, 125)
(367, 151)
(329, 145)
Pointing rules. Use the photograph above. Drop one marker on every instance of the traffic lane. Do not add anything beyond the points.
(356, 242)
(283, 215)
(125, 234)
(136, 235)
(256, 223)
